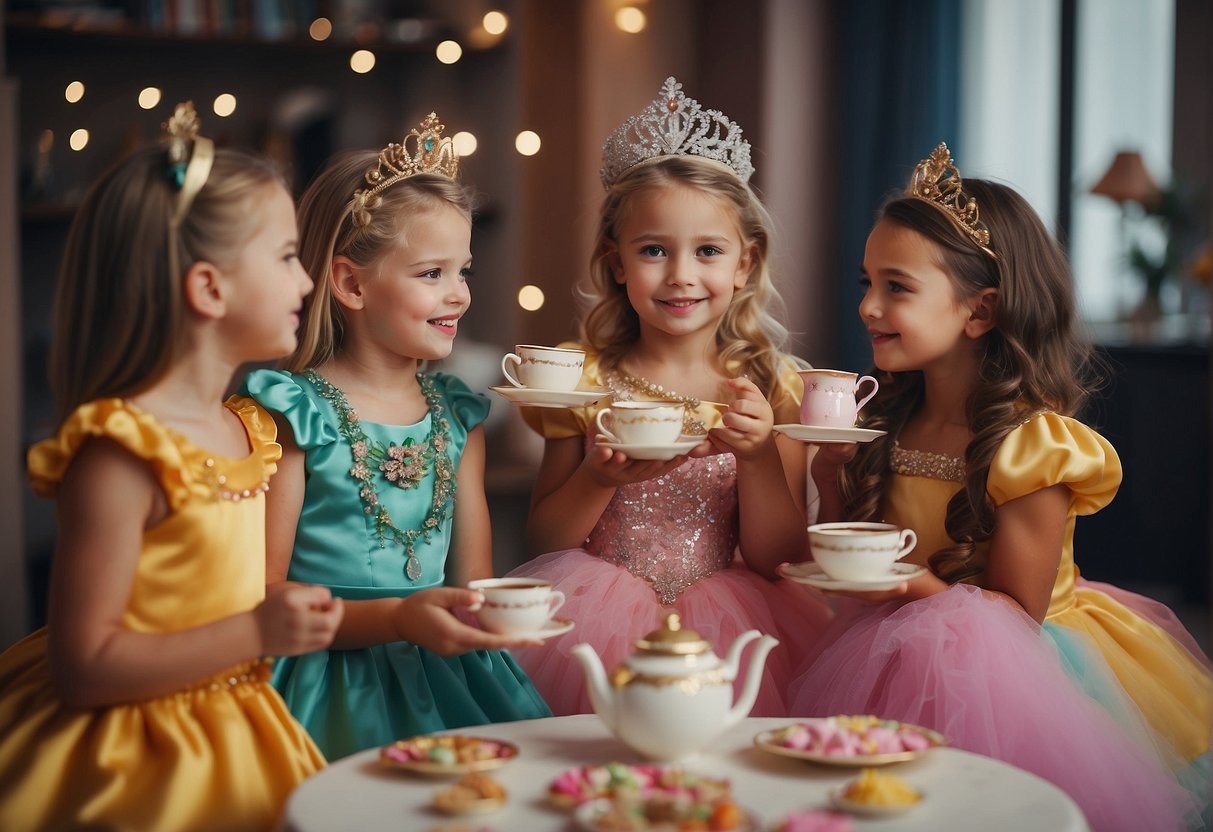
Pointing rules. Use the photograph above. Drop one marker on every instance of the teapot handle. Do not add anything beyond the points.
(749, 693)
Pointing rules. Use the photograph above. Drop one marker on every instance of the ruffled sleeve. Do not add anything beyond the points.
(282, 392)
(467, 407)
(262, 431)
(1048, 450)
(561, 422)
(132, 429)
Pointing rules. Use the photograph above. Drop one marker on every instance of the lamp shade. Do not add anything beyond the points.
(1127, 180)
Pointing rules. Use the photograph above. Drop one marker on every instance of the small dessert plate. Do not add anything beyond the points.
(769, 741)
(480, 806)
(403, 754)
(828, 436)
(655, 452)
(594, 816)
(534, 397)
(871, 810)
(813, 575)
(552, 627)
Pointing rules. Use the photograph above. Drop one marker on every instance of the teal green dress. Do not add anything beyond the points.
(354, 699)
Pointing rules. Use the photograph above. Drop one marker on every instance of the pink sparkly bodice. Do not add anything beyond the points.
(673, 530)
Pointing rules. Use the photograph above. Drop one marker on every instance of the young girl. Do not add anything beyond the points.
(144, 703)
(680, 289)
(375, 452)
(1002, 646)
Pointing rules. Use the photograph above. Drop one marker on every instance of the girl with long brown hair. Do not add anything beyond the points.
(999, 644)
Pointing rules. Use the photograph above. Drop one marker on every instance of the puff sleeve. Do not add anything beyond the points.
(1051, 449)
(282, 392)
(134, 430)
(468, 408)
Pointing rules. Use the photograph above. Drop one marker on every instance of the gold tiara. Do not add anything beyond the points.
(190, 157)
(937, 181)
(421, 151)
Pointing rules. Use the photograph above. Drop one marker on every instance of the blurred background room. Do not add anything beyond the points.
(1099, 111)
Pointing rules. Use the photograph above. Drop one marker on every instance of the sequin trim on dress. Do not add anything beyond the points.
(927, 464)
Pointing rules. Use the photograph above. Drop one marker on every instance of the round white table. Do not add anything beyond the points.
(963, 791)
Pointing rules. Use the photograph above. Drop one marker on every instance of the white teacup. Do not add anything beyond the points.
(829, 398)
(640, 423)
(516, 605)
(859, 551)
(544, 368)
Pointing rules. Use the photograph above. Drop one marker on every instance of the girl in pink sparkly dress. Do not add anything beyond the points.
(680, 289)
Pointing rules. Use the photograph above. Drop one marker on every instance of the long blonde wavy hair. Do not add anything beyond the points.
(748, 337)
(1034, 359)
(328, 227)
(120, 313)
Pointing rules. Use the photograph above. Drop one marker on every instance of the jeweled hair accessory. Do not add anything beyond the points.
(670, 125)
(421, 151)
(937, 180)
(190, 157)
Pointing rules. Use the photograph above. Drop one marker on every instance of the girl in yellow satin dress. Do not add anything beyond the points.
(1000, 644)
(143, 704)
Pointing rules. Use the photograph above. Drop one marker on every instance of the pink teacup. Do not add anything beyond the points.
(829, 398)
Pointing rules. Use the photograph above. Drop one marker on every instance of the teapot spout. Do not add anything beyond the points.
(602, 697)
(753, 678)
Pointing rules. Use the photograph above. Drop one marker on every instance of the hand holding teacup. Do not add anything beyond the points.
(516, 606)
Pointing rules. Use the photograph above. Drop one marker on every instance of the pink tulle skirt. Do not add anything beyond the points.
(985, 675)
(612, 608)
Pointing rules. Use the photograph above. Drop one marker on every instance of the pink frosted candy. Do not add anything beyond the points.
(798, 738)
(843, 745)
(884, 741)
(914, 741)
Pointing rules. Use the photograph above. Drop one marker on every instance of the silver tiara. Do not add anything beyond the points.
(673, 124)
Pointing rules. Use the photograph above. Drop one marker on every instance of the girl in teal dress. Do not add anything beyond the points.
(383, 466)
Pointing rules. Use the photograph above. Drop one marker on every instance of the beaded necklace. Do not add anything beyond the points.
(402, 465)
(692, 425)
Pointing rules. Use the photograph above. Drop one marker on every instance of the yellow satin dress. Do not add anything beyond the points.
(222, 754)
(1166, 677)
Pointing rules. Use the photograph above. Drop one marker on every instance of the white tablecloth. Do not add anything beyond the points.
(963, 791)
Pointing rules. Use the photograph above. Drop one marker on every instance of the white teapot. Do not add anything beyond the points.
(673, 695)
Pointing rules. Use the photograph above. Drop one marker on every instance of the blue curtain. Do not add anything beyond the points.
(900, 84)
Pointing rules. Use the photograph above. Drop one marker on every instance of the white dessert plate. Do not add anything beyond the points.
(479, 806)
(768, 741)
(871, 810)
(828, 436)
(589, 817)
(391, 756)
(813, 575)
(534, 397)
(552, 628)
(662, 452)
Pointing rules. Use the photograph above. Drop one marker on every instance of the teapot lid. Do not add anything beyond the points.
(672, 639)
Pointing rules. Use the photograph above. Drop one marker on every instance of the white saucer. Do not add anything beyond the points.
(828, 436)
(534, 397)
(552, 628)
(813, 575)
(661, 452)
